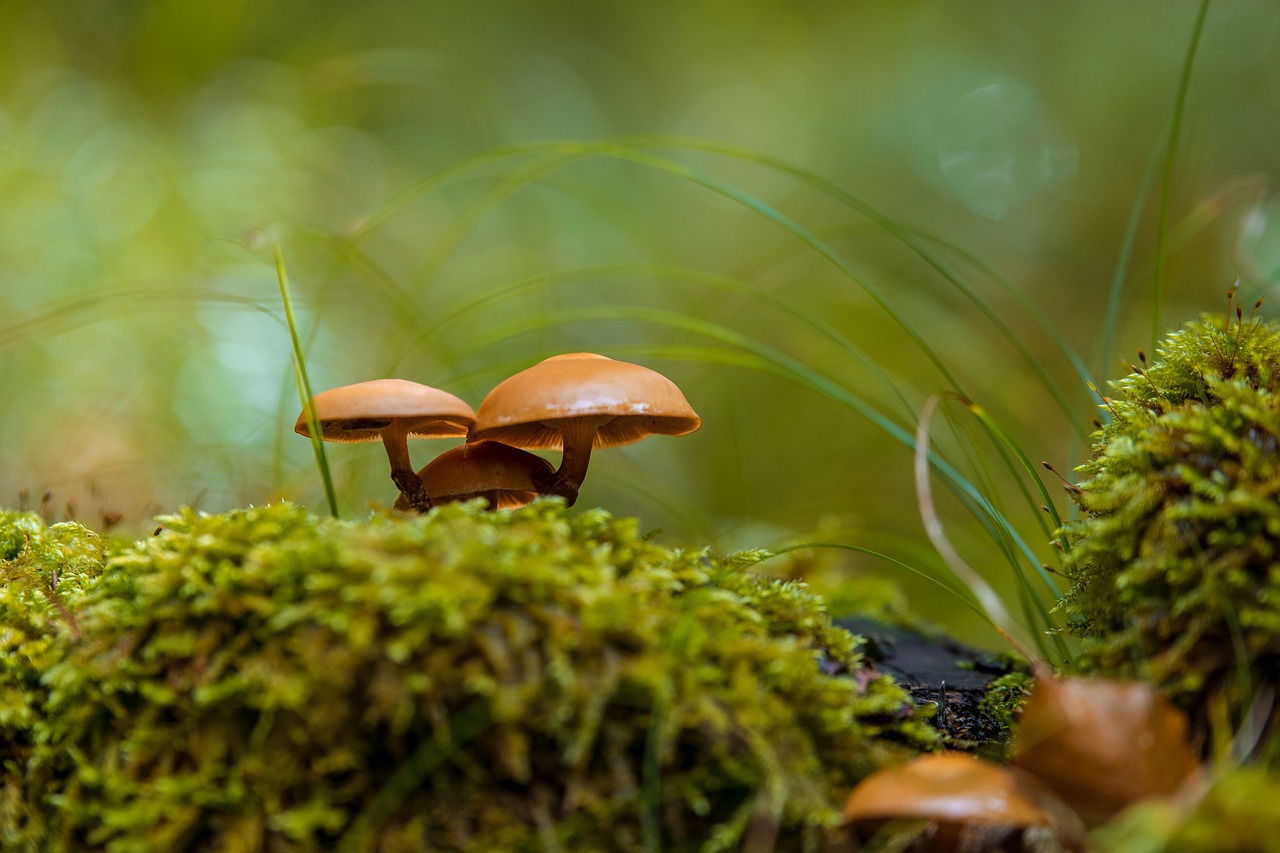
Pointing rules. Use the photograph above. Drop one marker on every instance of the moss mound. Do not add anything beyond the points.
(44, 572)
(1175, 564)
(265, 680)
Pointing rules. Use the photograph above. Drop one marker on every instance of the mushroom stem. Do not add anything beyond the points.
(578, 436)
(395, 438)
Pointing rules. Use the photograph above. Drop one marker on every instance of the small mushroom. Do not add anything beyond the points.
(578, 401)
(964, 802)
(500, 474)
(393, 410)
(1104, 745)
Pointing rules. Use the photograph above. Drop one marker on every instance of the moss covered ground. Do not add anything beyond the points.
(267, 680)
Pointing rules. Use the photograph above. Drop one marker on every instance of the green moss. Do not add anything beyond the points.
(845, 580)
(1238, 814)
(1174, 563)
(1004, 698)
(44, 572)
(266, 680)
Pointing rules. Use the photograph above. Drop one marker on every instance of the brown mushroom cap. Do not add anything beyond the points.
(489, 469)
(362, 411)
(637, 401)
(947, 787)
(1104, 745)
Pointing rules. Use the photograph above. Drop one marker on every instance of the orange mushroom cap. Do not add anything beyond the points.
(1104, 745)
(947, 787)
(360, 412)
(501, 473)
(633, 401)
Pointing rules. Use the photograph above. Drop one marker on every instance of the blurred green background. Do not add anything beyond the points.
(461, 189)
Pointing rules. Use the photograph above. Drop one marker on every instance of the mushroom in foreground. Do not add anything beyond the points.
(966, 803)
(502, 475)
(393, 410)
(1104, 745)
(578, 401)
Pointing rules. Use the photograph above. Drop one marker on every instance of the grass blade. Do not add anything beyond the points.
(1175, 129)
(304, 384)
(920, 243)
(981, 590)
(959, 595)
(763, 358)
(679, 276)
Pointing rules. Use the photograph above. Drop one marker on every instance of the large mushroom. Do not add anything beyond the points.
(501, 474)
(960, 799)
(393, 411)
(578, 401)
(1104, 745)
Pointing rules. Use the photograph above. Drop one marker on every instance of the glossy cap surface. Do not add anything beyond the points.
(947, 787)
(1103, 745)
(362, 411)
(634, 401)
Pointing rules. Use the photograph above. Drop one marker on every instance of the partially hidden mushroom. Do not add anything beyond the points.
(1104, 745)
(393, 411)
(577, 402)
(960, 802)
(502, 475)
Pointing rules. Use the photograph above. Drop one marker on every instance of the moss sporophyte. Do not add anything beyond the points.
(1175, 560)
(459, 680)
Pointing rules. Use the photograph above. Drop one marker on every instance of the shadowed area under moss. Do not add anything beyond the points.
(267, 680)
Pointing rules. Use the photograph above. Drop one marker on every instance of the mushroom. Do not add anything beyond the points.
(578, 401)
(962, 799)
(500, 474)
(393, 410)
(1104, 745)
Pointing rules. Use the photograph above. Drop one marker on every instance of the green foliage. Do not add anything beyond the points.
(1238, 814)
(267, 680)
(1005, 697)
(1174, 563)
(44, 572)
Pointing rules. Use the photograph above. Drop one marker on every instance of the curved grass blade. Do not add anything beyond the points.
(1005, 439)
(802, 233)
(577, 151)
(678, 275)
(503, 190)
(1034, 610)
(1033, 607)
(916, 241)
(80, 311)
(569, 152)
(456, 171)
(982, 591)
(1121, 273)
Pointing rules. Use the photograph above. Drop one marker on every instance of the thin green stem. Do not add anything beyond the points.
(304, 384)
(1175, 129)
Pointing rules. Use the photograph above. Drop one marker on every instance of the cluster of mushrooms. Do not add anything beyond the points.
(1085, 750)
(572, 402)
